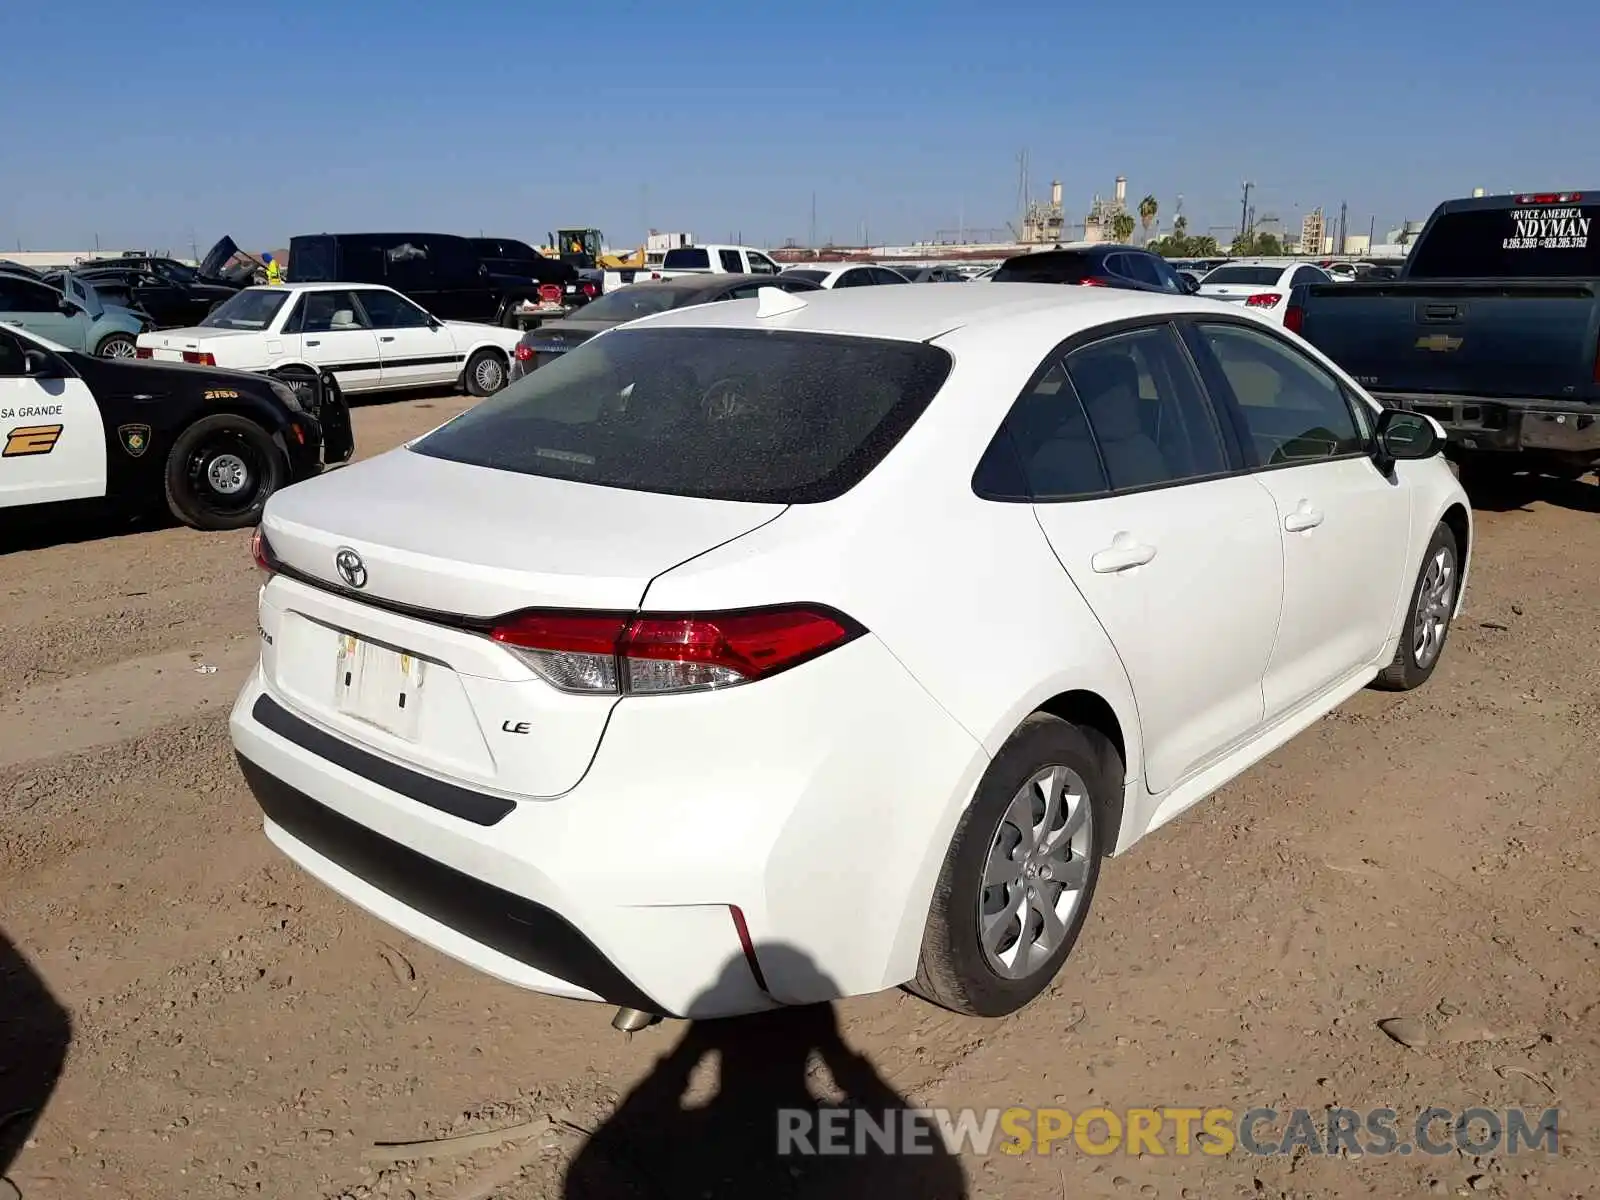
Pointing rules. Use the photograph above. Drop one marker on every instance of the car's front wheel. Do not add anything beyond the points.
(1433, 605)
(116, 345)
(220, 472)
(1017, 880)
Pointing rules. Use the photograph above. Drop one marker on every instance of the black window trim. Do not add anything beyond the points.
(1222, 391)
(1232, 451)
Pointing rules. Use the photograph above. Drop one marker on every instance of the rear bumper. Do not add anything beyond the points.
(1478, 423)
(819, 804)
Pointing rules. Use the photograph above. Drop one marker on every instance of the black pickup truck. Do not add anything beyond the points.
(1492, 327)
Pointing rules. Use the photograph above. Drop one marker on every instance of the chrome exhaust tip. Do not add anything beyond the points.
(631, 1020)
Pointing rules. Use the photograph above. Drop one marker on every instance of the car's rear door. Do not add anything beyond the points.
(333, 333)
(1139, 487)
(1344, 525)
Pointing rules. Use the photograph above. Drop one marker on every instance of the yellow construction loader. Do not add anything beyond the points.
(583, 248)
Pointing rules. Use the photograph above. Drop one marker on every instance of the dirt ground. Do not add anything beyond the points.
(230, 1028)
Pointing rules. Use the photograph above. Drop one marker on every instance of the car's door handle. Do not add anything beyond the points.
(1303, 518)
(1122, 555)
(313, 342)
(386, 339)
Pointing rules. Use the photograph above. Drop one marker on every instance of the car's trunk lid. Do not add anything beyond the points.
(431, 550)
(478, 542)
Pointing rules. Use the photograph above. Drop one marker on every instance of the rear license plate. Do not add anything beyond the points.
(379, 686)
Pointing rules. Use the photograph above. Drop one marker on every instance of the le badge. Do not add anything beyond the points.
(135, 438)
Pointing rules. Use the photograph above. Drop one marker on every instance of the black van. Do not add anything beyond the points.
(440, 271)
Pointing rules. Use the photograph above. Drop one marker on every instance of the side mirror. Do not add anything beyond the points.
(35, 363)
(1191, 285)
(66, 307)
(1404, 436)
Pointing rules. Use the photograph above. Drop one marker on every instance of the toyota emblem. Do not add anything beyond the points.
(350, 567)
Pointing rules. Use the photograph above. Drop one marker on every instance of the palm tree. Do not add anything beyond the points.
(1122, 226)
(1180, 227)
(1148, 208)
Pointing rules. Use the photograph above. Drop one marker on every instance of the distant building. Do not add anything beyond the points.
(1100, 224)
(1043, 223)
(1312, 233)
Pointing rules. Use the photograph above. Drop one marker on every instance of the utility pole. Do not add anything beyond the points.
(1372, 231)
(1343, 209)
(812, 240)
(1244, 210)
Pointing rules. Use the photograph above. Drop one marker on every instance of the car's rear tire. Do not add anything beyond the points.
(1021, 870)
(486, 373)
(1428, 616)
(221, 471)
(116, 345)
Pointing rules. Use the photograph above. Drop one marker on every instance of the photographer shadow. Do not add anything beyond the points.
(759, 1134)
(35, 1032)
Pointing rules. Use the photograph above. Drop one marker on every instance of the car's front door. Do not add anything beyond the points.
(332, 332)
(1344, 524)
(1177, 552)
(52, 440)
(415, 349)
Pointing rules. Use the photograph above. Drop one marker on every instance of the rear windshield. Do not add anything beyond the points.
(1254, 276)
(1546, 241)
(807, 273)
(1045, 268)
(685, 259)
(762, 416)
(639, 300)
(249, 309)
(312, 260)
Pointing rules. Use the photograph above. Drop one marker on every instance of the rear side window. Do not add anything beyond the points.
(1150, 418)
(731, 263)
(685, 258)
(313, 260)
(1045, 268)
(732, 414)
(1549, 241)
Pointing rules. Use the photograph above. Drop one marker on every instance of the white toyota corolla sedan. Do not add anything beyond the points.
(771, 651)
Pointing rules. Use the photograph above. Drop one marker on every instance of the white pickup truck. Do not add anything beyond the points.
(711, 260)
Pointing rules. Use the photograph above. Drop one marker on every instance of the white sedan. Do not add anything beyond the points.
(1263, 286)
(847, 275)
(372, 338)
(766, 652)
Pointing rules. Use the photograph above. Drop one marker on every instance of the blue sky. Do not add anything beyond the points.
(150, 123)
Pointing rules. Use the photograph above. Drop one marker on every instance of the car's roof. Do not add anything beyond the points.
(332, 286)
(921, 314)
(704, 283)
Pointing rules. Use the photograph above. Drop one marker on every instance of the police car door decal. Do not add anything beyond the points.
(52, 441)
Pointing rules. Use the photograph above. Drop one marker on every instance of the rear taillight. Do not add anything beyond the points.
(1091, 281)
(524, 353)
(144, 352)
(198, 359)
(261, 551)
(1293, 317)
(1263, 300)
(588, 288)
(605, 653)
